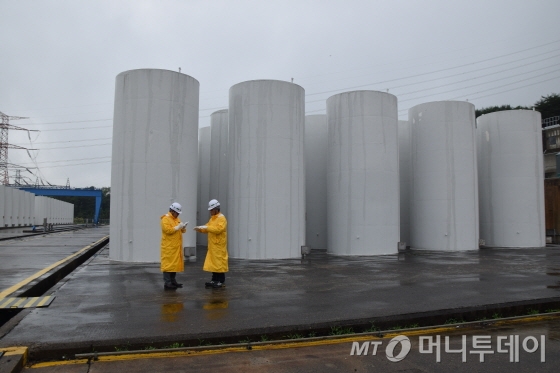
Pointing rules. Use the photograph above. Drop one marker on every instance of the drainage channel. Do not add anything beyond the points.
(38, 285)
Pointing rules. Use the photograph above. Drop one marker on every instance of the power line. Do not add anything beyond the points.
(493, 94)
(416, 59)
(77, 146)
(68, 160)
(481, 69)
(479, 84)
(77, 164)
(74, 129)
(59, 142)
(475, 85)
(413, 76)
(72, 122)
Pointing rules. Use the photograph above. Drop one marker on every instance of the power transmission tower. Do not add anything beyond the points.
(5, 126)
(18, 177)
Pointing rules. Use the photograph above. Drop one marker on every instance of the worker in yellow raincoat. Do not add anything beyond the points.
(171, 246)
(217, 256)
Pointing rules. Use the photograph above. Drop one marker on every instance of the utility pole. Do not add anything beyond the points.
(5, 126)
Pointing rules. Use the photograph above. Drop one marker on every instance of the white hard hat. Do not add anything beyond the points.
(213, 204)
(175, 207)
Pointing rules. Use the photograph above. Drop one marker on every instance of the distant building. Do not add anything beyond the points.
(551, 145)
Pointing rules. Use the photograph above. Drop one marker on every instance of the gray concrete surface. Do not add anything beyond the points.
(22, 257)
(107, 305)
(337, 357)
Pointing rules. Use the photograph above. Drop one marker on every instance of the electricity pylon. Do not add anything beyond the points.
(5, 126)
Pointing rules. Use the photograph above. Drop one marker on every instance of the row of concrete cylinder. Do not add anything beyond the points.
(19, 208)
(343, 181)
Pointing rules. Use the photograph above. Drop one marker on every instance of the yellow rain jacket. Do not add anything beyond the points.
(171, 245)
(217, 256)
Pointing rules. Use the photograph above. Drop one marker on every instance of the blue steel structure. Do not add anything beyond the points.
(66, 192)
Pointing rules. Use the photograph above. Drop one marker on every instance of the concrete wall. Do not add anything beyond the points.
(17, 207)
(405, 177)
(56, 212)
(8, 207)
(316, 155)
(2, 205)
(203, 182)
(363, 174)
(154, 160)
(266, 193)
(444, 204)
(41, 210)
(219, 169)
(510, 179)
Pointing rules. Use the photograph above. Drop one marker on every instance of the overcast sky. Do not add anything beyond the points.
(59, 60)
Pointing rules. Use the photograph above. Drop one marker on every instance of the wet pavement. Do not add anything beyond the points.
(520, 349)
(107, 306)
(22, 257)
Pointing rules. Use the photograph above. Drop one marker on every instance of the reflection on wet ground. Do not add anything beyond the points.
(108, 300)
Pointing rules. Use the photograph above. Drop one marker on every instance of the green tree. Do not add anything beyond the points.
(105, 203)
(84, 207)
(549, 106)
(491, 109)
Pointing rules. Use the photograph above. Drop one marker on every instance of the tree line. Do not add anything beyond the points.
(548, 106)
(84, 207)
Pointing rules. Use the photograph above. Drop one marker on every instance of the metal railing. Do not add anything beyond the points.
(552, 121)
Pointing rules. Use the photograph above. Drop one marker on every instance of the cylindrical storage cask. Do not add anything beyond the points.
(219, 159)
(154, 160)
(444, 203)
(316, 155)
(266, 193)
(363, 174)
(511, 179)
(203, 182)
(405, 177)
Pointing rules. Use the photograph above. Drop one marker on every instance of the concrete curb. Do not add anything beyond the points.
(43, 283)
(476, 314)
(13, 360)
(40, 285)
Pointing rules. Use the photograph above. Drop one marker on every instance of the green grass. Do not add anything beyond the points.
(454, 321)
(293, 336)
(174, 345)
(371, 329)
(337, 330)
